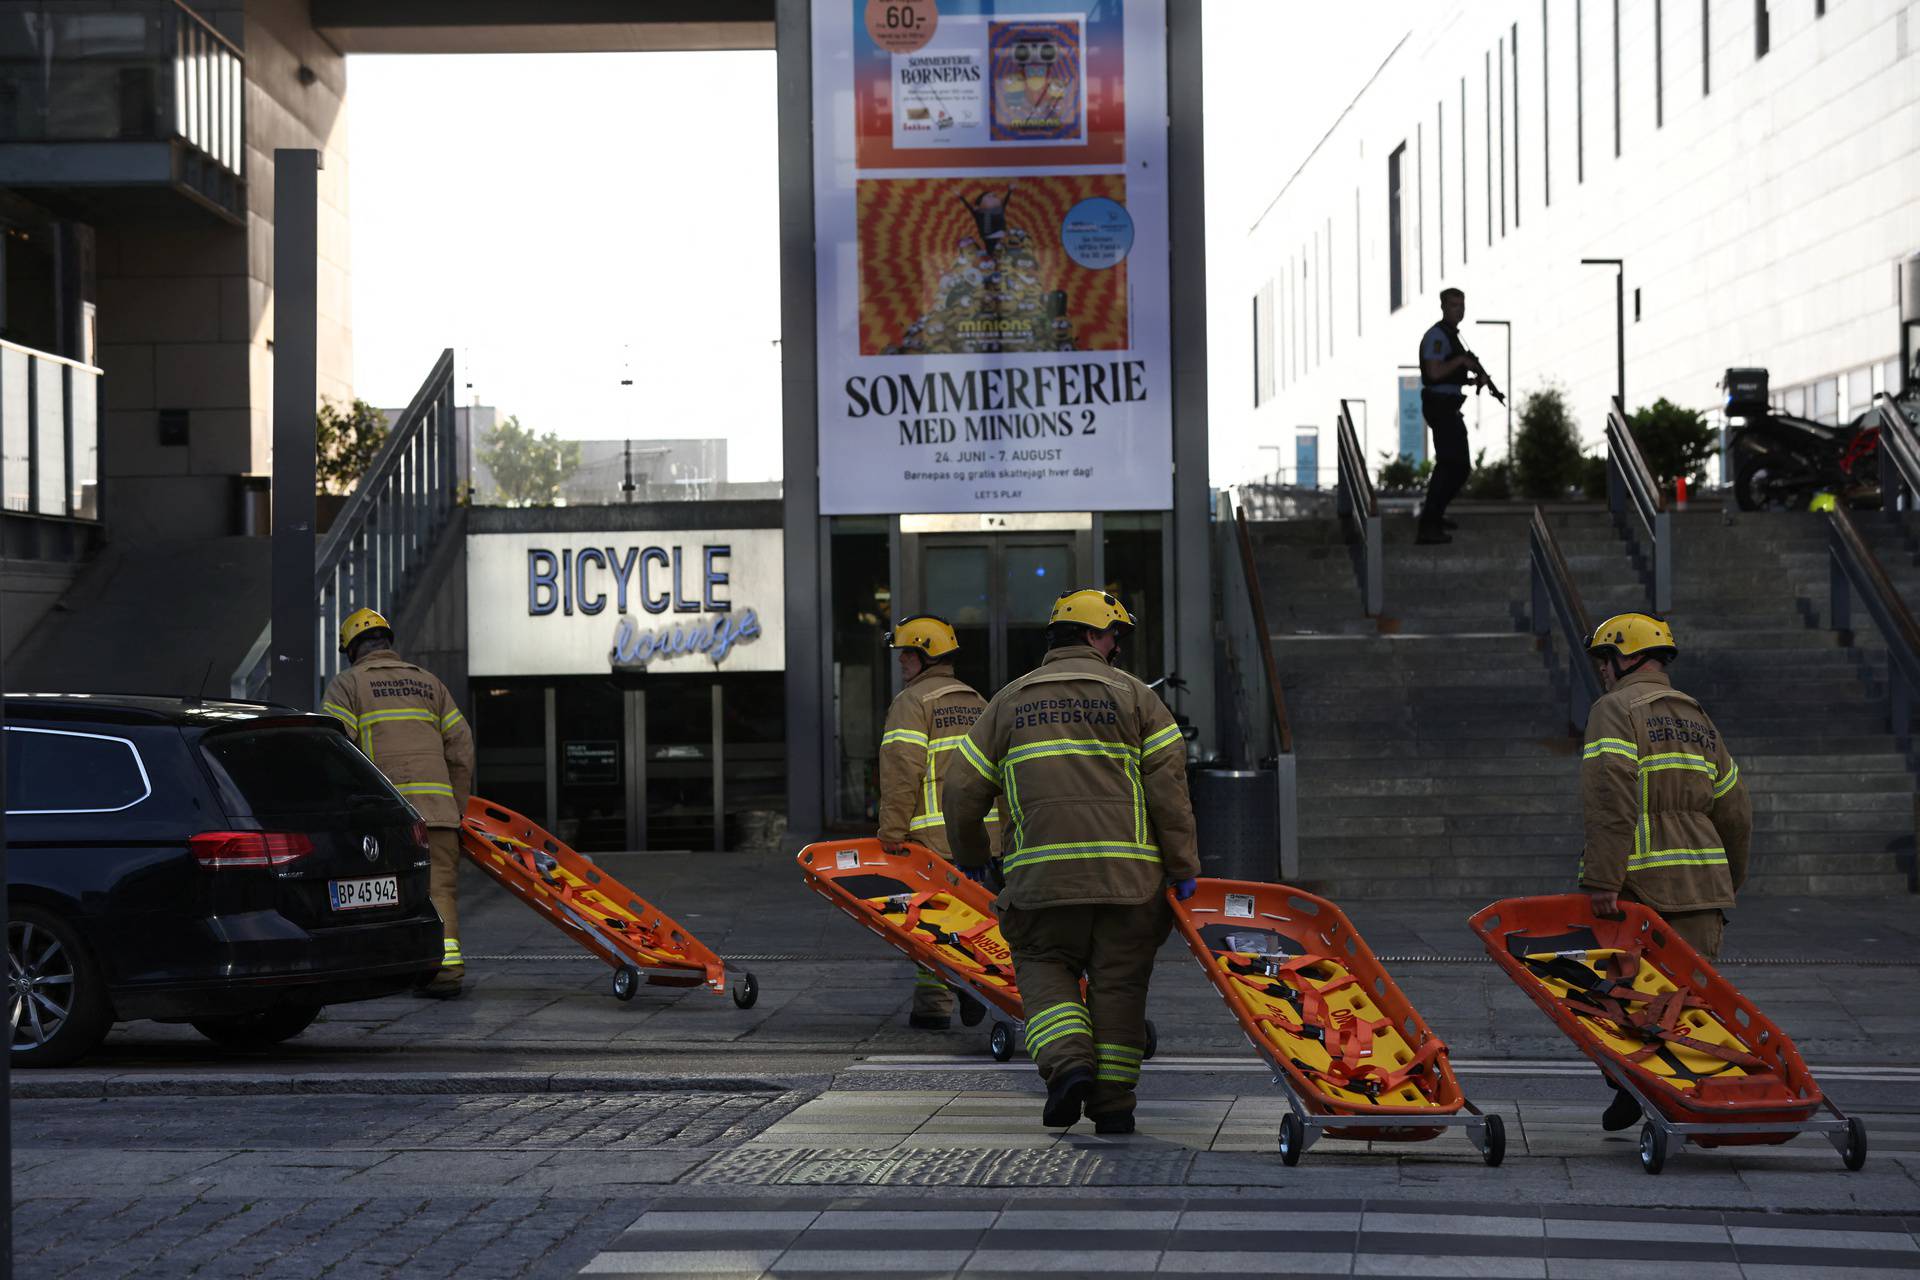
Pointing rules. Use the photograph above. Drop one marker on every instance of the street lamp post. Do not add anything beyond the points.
(1619, 323)
(1507, 375)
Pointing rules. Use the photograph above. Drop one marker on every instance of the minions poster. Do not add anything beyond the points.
(991, 255)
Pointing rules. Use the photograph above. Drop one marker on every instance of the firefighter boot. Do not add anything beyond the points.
(932, 1002)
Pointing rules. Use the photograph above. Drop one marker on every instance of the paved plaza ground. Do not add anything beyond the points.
(539, 1127)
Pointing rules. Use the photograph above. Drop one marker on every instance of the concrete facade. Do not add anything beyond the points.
(1760, 202)
(186, 305)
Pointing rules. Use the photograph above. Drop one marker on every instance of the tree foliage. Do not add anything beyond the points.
(1546, 449)
(345, 443)
(528, 469)
(1489, 481)
(1674, 441)
(1400, 475)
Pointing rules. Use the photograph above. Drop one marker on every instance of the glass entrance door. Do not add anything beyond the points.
(997, 591)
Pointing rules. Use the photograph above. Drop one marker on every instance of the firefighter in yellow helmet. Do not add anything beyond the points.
(406, 722)
(1093, 770)
(1668, 820)
(925, 725)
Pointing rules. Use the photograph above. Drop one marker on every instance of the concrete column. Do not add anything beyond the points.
(296, 257)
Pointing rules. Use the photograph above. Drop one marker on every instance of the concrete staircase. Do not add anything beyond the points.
(1434, 753)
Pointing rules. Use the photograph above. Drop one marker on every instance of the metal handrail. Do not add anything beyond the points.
(1856, 570)
(1556, 599)
(1266, 722)
(1630, 480)
(1899, 455)
(385, 532)
(1356, 503)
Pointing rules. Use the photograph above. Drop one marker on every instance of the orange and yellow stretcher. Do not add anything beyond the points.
(640, 941)
(1354, 1057)
(1660, 1022)
(924, 907)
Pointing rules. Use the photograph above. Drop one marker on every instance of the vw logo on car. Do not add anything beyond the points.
(370, 848)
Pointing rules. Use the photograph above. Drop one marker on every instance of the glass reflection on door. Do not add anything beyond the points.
(1032, 577)
(959, 588)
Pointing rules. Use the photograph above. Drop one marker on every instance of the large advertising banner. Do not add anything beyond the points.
(990, 212)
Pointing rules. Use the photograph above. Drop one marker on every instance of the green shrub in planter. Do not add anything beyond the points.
(1490, 481)
(1674, 441)
(1593, 477)
(1400, 475)
(1546, 450)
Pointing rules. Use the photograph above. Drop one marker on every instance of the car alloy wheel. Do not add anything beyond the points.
(40, 984)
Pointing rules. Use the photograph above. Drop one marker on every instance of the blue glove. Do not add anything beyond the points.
(1184, 889)
(976, 874)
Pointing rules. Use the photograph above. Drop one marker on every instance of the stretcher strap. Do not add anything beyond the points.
(1347, 1037)
(1652, 1016)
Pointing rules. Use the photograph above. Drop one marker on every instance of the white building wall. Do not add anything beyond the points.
(1760, 220)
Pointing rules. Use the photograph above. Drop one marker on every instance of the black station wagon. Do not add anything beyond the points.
(235, 866)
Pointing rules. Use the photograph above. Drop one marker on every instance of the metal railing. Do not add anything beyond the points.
(1630, 484)
(1899, 457)
(119, 71)
(1268, 733)
(1556, 602)
(1855, 570)
(1356, 504)
(49, 434)
(385, 533)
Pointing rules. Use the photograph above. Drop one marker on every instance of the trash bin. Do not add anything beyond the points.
(1236, 812)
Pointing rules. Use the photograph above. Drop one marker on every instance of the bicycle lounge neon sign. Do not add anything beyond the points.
(587, 580)
(714, 635)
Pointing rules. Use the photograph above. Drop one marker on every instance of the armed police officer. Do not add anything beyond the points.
(407, 724)
(1668, 820)
(925, 725)
(1447, 369)
(1092, 767)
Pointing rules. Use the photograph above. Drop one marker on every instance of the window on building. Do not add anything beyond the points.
(1616, 79)
(1463, 171)
(1796, 401)
(1659, 65)
(1763, 27)
(1819, 8)
(1514, 36)
(1329, 279)
(1500, 55)
(1395, 286)
(1263, 345)
(1440, 185)
(1706, 47)
(1825, 402)
(1359, 286)
(1312, 292)
(1546, 112)
(1420, 208)
(1859, 391)
(1486, 68)
(1579, 91)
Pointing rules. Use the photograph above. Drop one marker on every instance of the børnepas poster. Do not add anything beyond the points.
(991, 236)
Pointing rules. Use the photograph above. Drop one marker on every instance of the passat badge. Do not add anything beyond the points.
(370, 847)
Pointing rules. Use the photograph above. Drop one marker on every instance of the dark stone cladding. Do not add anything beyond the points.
(638, 517)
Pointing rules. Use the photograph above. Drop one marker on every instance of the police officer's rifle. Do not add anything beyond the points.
(1486, 380)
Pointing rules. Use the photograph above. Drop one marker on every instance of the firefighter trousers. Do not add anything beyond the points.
(443, 889)
(1112, 947)
(1703, 930)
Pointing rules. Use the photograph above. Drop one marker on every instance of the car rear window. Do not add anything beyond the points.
(62, 771)
(290, 770)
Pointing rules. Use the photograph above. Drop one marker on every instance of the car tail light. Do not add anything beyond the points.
(420, 835)
(220, 850)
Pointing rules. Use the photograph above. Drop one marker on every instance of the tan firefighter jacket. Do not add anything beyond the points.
(925, 726)
(1094, 773)
(1668, 820)
(405, 721)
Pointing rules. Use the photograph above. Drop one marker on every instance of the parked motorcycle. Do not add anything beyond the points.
(1783, 462)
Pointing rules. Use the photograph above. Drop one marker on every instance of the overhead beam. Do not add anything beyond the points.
(552, 26)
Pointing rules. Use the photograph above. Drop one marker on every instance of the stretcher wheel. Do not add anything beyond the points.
(747, 991)
(1653, 1148)
(1293, 1139)
(1856, 1153)
(626, 981)
(1494, 1142)
(1153, 1042)
(1000, 1042)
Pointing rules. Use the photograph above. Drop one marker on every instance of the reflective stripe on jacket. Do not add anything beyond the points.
(925, 726)
(1668, 820)
(406, 722)
(1093, 771)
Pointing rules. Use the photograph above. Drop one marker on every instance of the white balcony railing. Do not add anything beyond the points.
(49, 434)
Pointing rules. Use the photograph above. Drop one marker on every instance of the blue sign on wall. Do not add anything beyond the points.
(1413, 428)
(1306, 459)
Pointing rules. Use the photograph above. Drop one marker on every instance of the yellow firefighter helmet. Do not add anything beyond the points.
(1094, 610)
(932, 636)
(1632, 635)
(358, 623)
